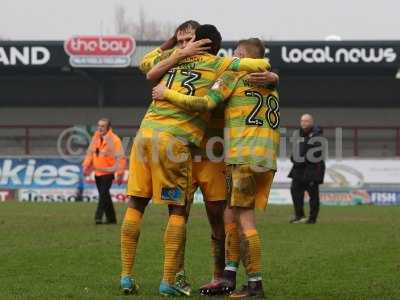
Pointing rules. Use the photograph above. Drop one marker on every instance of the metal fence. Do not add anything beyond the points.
(351, 141)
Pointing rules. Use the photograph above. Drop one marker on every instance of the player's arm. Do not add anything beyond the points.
(169, 44)
(156, 55)
(258, 69)
(220, 91)
(153, 58)
(266, 79)
(249, 65)
(164, 65)
(186, 102)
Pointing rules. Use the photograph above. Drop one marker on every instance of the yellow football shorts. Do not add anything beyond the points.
(160, 168)
(249, 186)
(210, 177)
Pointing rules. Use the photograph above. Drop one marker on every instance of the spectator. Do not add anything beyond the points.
(106, 156)
(308, 170)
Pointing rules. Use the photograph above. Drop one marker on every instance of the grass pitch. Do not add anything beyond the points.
(54, 251)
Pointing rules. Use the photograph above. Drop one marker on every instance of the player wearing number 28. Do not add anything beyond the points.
(252, 143)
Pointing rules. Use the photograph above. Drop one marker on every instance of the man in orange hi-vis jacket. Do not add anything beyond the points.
(107, 158)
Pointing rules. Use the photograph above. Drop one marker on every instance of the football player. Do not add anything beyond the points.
(252, 140)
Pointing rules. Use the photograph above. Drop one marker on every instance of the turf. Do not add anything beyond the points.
(54, 251)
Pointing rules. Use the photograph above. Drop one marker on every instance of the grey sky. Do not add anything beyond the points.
(269, 19)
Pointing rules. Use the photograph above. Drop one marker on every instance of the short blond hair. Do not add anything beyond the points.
(254, 46)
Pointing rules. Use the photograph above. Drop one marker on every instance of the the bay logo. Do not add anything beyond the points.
(315, 55)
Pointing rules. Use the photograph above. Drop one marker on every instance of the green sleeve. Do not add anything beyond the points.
(192, 103)
(250, 65)
(220, 91)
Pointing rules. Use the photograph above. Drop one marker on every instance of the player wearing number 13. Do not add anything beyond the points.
(192, 76)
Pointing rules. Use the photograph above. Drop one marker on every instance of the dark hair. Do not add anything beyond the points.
(255, 46)
(186, 25)
(211, 32)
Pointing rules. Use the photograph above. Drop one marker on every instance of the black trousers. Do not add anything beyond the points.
(297, 190)
(105, 204)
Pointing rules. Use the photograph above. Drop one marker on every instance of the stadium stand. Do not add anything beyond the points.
(342, 84)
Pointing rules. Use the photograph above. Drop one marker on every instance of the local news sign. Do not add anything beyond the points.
(332, 54)
(319, 54)
(100, 51)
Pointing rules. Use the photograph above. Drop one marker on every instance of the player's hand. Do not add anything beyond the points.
(118, 179)
(196, 47)
(263, 78)
(169, 44)
(158, 92)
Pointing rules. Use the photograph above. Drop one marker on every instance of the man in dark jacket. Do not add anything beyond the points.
(308, 170)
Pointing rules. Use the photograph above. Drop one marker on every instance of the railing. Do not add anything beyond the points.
(25, 139)
(357, 141)
(386, 138)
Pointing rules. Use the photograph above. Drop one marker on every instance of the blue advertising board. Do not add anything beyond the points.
(17, 173)
(35, 179)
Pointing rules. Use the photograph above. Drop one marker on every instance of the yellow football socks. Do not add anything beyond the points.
(130, 232)
(181, 256)
(232, 247)
(173, 241)
(252, 257)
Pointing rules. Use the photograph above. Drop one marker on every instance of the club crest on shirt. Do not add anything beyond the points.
(217, 84)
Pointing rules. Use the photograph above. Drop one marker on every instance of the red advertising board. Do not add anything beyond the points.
(7, 195)
(100, 51)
